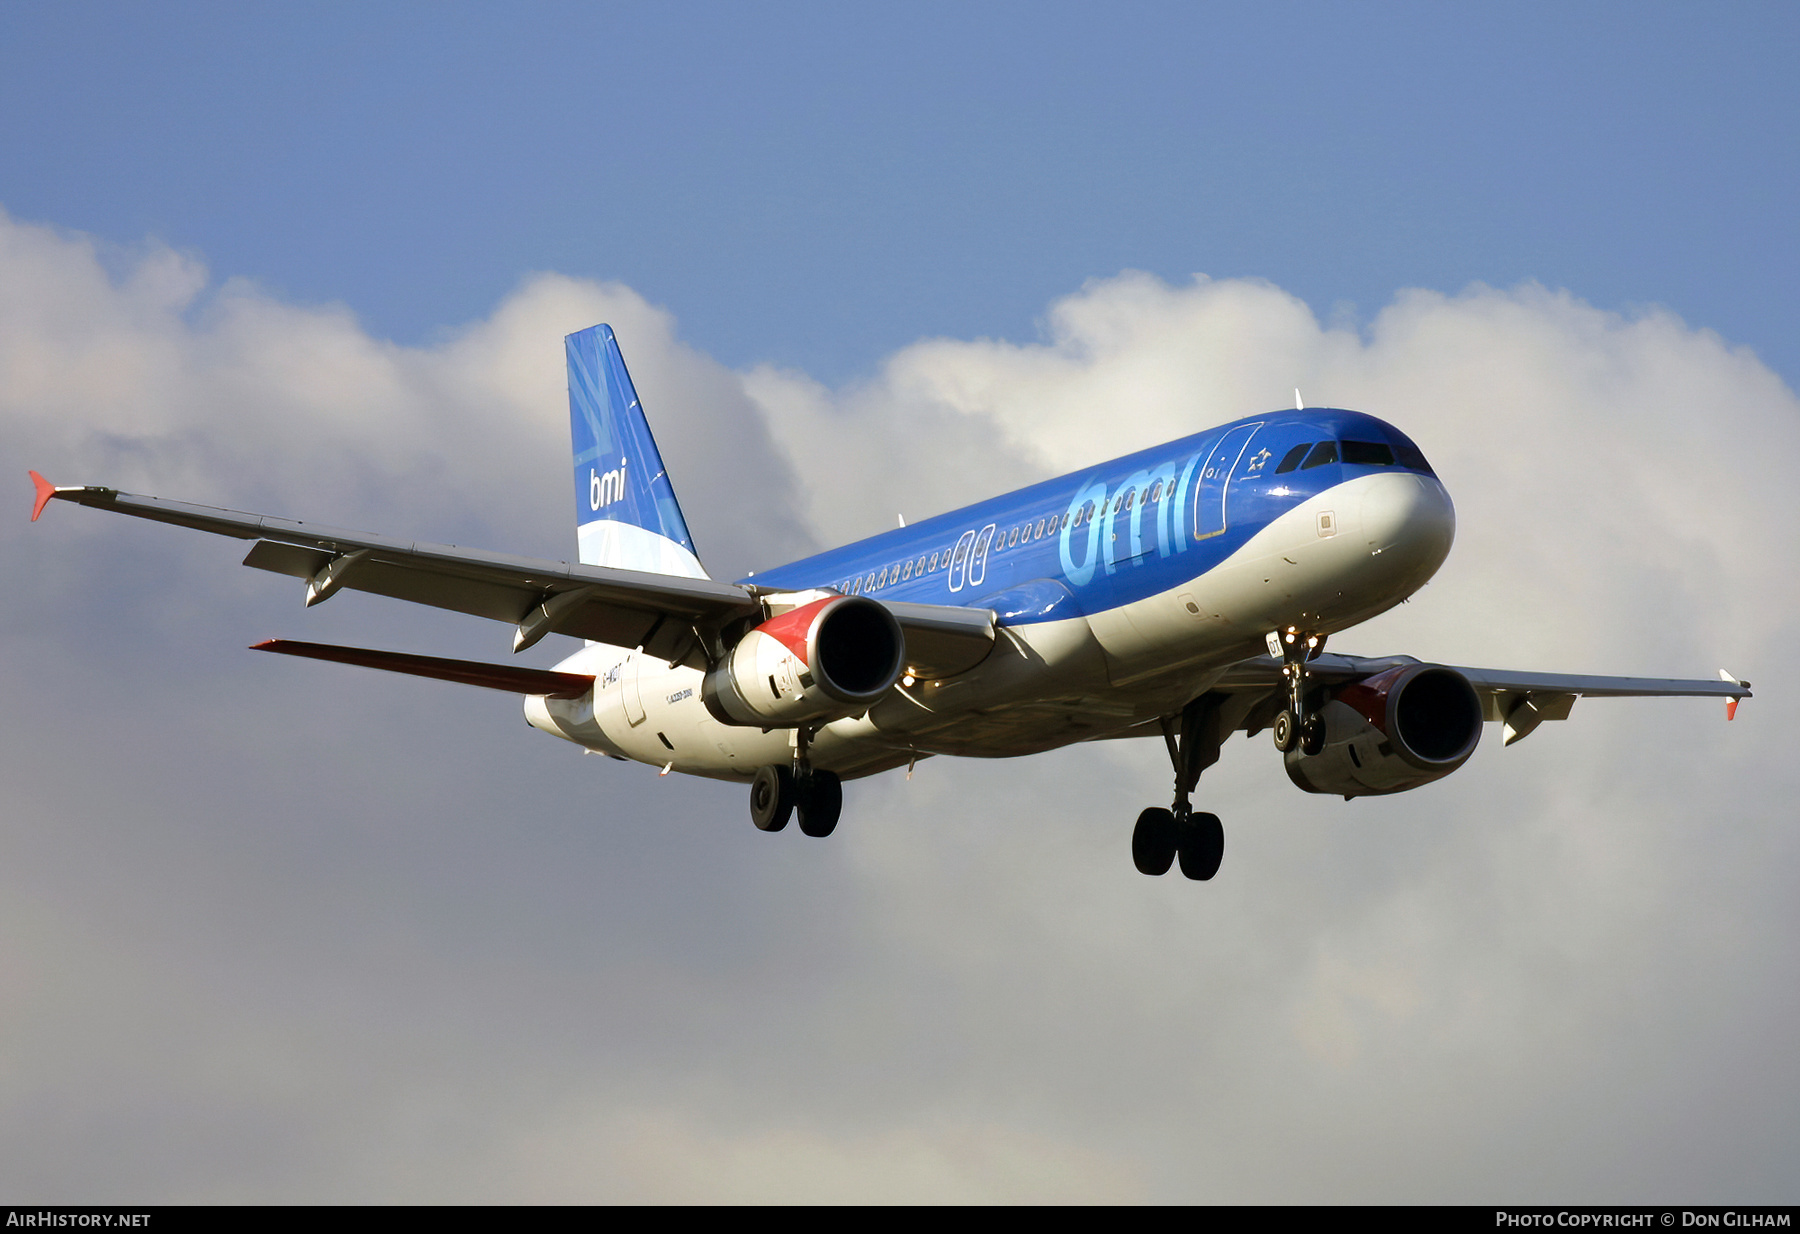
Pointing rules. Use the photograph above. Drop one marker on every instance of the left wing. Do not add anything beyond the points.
(627, 608)
(672, 617)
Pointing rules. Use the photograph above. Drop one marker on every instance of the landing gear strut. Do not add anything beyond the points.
(1163, 835)
(1297, 726)
(778, 792)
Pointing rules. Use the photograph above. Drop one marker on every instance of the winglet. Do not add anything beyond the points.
(45, 491)
(1731, 703)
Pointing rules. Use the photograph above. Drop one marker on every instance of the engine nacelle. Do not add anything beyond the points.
(833, 657)
(1394, 731)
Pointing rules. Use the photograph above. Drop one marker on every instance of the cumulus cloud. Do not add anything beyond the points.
(158, 380)
(297, 932)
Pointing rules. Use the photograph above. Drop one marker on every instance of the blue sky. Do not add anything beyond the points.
(818, 185)
(297, 932)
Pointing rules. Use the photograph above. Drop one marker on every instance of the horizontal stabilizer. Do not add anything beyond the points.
(467, 672)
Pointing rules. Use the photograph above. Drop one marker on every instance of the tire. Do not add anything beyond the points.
(819, 799)
(1202, 847)
(1285, 731)
(771, 798)
(1153, 842)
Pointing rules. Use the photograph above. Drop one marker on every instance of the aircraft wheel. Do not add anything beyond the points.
(1312, 735)
(819, 799)
(771, 798)
(1202, 847)
(1286, 731)
(1153, 841)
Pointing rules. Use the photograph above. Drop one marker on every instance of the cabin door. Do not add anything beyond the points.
(1211, 492)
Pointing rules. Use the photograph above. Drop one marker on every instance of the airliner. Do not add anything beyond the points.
(1184, 592)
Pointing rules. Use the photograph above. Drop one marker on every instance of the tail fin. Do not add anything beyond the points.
(626, 514)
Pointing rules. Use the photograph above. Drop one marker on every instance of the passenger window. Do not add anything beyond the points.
(1065, 518)
(1323, 453)
(1012, 537)
(1292, 458)
(1368, 453)
(906, 572)
(1040, 530)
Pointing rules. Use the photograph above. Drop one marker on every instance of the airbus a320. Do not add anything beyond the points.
(1181, 593)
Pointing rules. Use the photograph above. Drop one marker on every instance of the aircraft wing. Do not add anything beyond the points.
(1522, 700)
(622, 607)
(667, 615)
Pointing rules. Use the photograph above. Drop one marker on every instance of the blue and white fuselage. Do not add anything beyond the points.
(1116, 591)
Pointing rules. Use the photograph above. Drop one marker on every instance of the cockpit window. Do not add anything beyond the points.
(1323, 453)
(1412, 458)
(1409, 455)
(1368, 453)
(1293, 457)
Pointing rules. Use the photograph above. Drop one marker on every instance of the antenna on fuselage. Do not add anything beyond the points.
(1299, 403)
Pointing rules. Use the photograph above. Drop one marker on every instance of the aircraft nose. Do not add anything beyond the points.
(1408, 516)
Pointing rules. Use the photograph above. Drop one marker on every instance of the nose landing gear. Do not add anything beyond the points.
(1198, 839)
(1297, 726)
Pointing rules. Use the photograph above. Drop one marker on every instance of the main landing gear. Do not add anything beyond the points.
(1297, 726)
(1163, 835)
(777, 793)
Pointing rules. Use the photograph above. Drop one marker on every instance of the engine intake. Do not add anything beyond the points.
(1399, 729)
(833, 657)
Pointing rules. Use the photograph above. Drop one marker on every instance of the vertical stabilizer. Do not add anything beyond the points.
(626, 514)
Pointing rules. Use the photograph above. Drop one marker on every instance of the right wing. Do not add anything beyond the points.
(1520, 700)
(668, 616)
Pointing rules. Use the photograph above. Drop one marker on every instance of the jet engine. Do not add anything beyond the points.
(1399, 729)
(833, 657)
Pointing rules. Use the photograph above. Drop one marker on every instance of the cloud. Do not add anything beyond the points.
(228, 395)
(295, 932)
